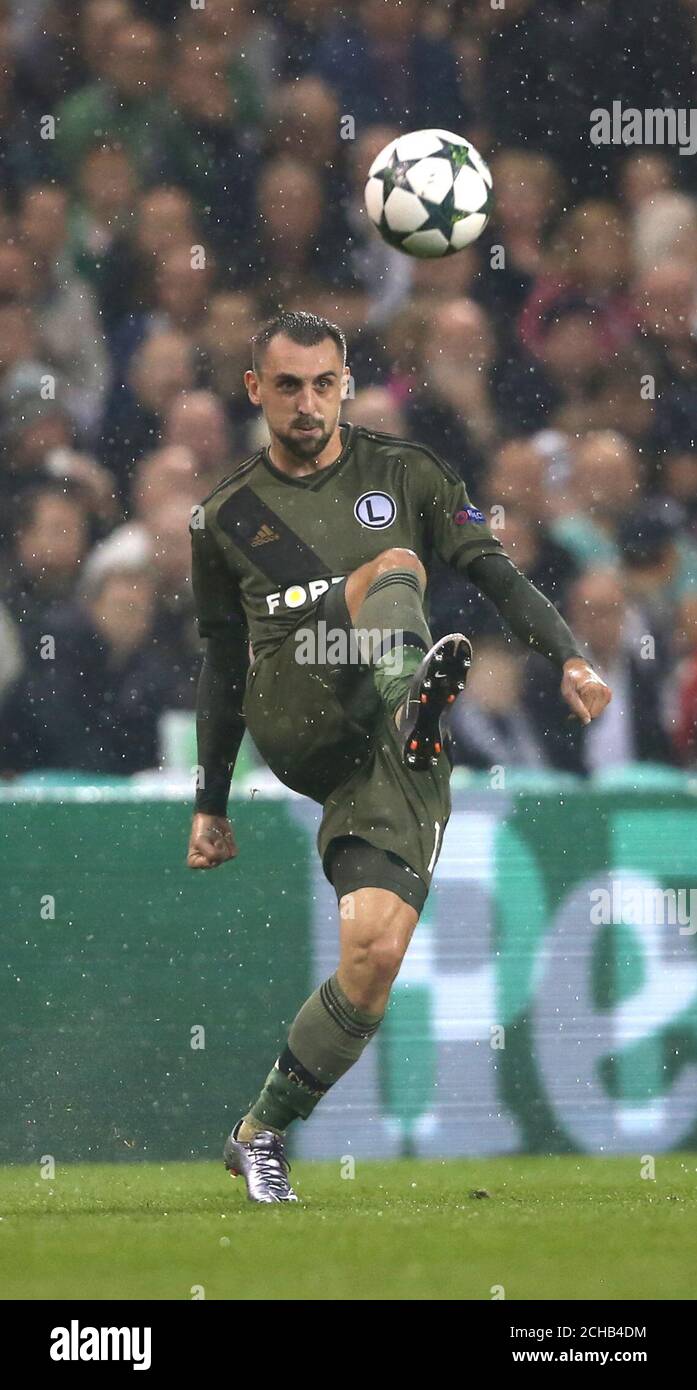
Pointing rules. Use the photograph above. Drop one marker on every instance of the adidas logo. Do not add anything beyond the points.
(264, 535)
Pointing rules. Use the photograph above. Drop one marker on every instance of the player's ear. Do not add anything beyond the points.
(251, 382)
(345, 384)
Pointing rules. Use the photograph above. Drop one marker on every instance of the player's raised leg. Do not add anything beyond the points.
(326, 1038)
(417, 679)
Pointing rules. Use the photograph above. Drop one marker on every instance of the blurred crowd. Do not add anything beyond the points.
(173, 173)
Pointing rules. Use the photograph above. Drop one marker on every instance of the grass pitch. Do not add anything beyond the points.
(551, 1228)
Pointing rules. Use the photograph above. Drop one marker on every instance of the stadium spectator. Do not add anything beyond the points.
(18, 277)
(587, 270)
(64, 306)
(299, 27)
(376, 409)
(235, 40)
(644, 174)
(175, 639)
(383, 59)
(11, 654)
(560, 382)
(165, 218)
(105, 679)
(664, 229)
(99, 224)
(99, 23)
(468, 399)
(518, 474)
(454, 411)
(660, 564)
(493, 728)
(685, 690)
(24, 158)
(605, 485)
(157, 541)
(225, 337)
(19, 343)
(516, 491)
(384, 274)
(165, 476)
(457, 277)
(210, 149)
(52, 539)
(180, 285)
(167, 473)
(293, 263)
(614, 398)
(531, 547)
(196, 420)
(123, 100)
(513, 249)
(160, 368)
(34, 424)
(304, 121)
(679, 476)
(667, 300)
(612, 637)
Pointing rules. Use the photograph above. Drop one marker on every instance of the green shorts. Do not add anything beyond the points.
(324, 732)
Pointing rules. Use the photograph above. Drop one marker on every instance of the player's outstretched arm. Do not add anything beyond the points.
(536, 622)
(219, 732)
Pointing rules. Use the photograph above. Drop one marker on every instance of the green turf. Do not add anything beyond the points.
(551, 1228)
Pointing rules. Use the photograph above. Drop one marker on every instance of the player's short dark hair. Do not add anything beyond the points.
(300, 327)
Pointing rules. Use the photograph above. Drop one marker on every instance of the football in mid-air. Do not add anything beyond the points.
(429, 193)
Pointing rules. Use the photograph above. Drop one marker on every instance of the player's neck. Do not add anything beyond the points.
(286, 462)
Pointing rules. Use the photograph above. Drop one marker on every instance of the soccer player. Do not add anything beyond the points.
(312, 558)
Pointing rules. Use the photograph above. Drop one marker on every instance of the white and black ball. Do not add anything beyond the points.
(429, 193)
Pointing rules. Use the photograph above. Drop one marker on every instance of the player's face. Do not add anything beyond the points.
(299, 390)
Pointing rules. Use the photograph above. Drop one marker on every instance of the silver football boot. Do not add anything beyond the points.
(262, 1163)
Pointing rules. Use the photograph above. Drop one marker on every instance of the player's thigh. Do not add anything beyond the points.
(399, 813)
(299, 723)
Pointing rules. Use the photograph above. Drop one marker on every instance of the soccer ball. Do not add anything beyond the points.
(429, 193)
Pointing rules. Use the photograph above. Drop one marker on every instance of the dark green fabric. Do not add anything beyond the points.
(329, 1033)
(327, 1037)
(281, 1101)
(353, 864)
(394, 605)
(530, 616)
(393, 689)
(219, 719)
(268, 545)
(325, 733)
(266, 549)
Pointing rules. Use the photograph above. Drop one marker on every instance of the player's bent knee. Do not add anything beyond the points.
(385, 960)
(378, 960)
(398, 557)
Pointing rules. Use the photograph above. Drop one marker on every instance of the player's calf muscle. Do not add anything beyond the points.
(373, 944)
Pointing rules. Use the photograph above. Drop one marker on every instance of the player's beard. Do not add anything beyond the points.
(308, 447)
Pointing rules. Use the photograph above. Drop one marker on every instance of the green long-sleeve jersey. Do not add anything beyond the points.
(266, 546)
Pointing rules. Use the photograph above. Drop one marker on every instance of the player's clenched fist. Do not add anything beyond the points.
(584, 690)
(211, 842)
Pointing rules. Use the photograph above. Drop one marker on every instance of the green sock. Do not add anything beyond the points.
(393, 609)
(326, 1038)
(393, 690)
